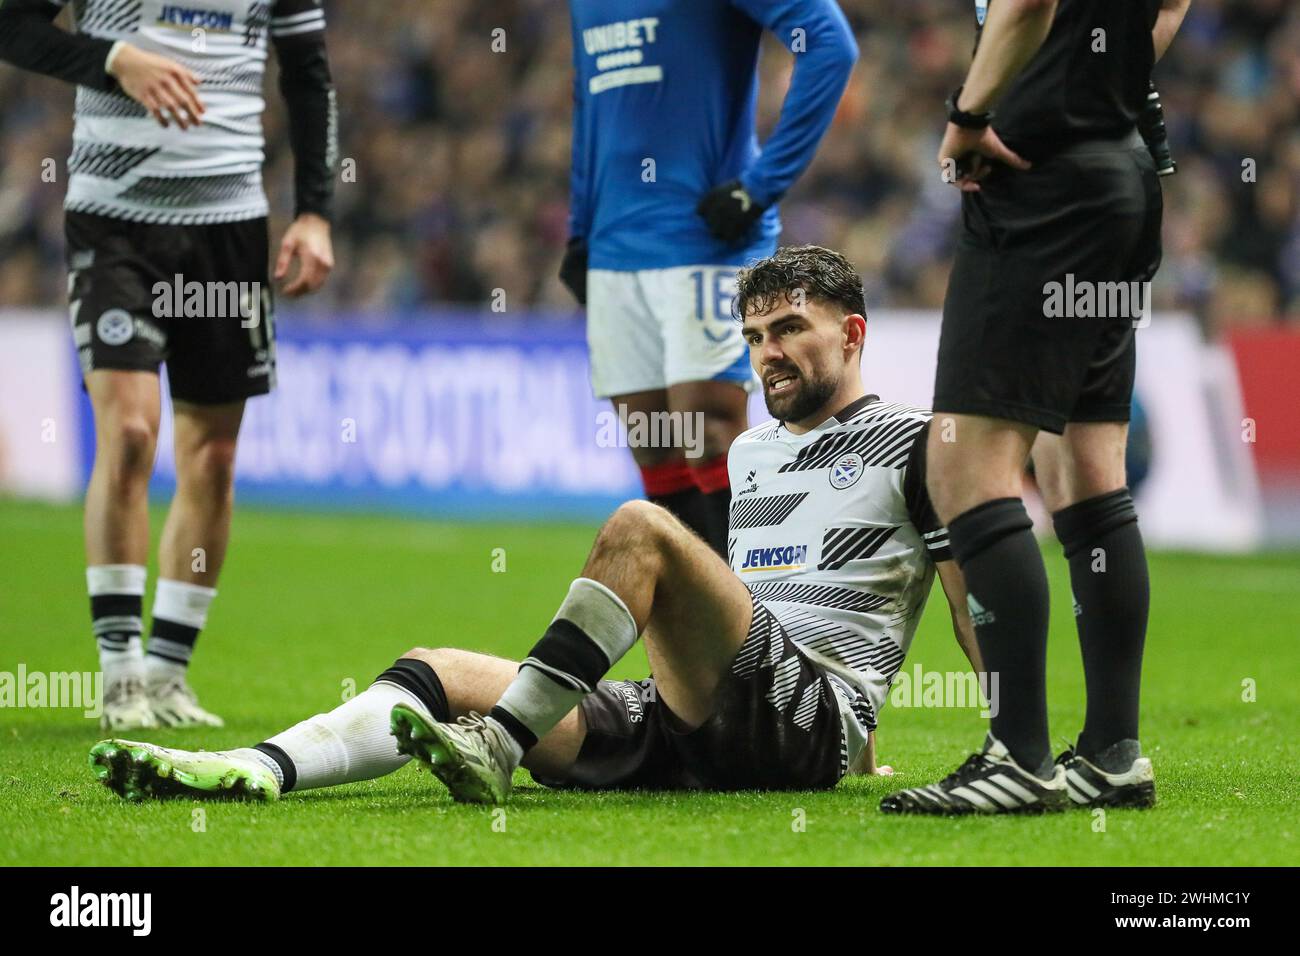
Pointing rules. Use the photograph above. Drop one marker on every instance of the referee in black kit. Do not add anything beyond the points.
(1060, 193)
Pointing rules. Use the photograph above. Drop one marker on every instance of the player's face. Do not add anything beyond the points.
(797, 355)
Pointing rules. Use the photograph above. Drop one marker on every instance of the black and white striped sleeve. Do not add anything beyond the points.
(30, 40)
(919, 507)
(298, 34)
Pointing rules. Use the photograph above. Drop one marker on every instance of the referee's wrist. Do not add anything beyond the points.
(962, 115)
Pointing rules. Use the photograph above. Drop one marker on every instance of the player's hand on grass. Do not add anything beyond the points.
(573, 269)
(884, 771)
(308, 241)
(165, 88)
(967, 155)
(730, 211)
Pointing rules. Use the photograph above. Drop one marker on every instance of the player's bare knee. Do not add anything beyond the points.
(210, 466)
(633, 526)
(1093, 478)
(130, 445)
(634, 539)
(435, 657)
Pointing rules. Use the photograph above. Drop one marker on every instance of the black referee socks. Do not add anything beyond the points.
(1008, 598)
(1108, 575)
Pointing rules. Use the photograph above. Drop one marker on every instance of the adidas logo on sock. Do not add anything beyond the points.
(977, 612)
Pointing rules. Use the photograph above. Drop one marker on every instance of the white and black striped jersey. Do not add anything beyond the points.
(125, 165)
(834, 533)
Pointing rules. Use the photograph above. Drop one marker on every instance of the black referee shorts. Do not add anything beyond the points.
(197, 297)
(1046, 286)
(775, 726)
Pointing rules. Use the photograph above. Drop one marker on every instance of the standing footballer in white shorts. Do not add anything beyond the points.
(670, 195)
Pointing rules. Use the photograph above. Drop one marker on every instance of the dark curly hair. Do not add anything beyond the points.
(822, 274)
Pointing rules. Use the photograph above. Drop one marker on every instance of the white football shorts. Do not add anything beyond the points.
(653, 328)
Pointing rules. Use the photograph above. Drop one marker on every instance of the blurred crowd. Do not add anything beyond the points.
(456, 158)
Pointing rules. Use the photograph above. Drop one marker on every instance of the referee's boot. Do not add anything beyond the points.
(988, 782)
(1130, 782)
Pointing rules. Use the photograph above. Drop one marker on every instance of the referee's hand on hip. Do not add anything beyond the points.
(967, 155)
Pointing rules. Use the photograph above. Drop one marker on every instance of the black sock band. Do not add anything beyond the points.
(175, 641)
(522, 735)
(115, 619)
(565, 650)
(1112, 596)
(116, 605)
(287, 769)
(1083, 523)
(979, 529)
(419, 677)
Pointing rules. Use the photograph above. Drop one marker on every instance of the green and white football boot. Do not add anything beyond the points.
(470, 756)
(138, 771)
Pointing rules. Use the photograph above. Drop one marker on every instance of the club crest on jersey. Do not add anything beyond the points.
(846, 470)
(789, 557)
(115, 327)
(981, 11)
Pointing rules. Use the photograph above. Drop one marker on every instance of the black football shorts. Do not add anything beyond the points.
(1047, 285)
(197, 297)
(775, 726)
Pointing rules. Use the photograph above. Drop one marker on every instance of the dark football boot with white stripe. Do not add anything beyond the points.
(988, 782)
(1091, 786)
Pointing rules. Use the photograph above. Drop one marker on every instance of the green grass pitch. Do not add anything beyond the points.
(311, 603)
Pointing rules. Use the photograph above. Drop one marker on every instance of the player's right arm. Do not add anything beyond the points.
(1168, 20)
(30, 40)
(818, 34)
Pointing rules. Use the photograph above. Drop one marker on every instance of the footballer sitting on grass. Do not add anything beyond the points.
(768, 674)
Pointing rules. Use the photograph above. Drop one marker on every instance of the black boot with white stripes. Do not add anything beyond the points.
(1092, 786)
(988, 782)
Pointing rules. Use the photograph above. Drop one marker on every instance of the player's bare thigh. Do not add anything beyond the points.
(1084, 462)
(972, 459)
(697, 612)
(474, 682)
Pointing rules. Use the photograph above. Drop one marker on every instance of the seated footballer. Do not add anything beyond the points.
(768, 674)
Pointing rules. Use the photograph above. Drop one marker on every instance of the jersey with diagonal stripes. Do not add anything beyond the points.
(834, 533)
(127, 166)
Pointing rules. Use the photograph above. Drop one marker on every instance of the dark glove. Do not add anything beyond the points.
(729, 211)
(573, 269)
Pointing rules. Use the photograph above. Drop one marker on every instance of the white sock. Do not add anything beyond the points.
(180, 611)
(352, 742)
(116, 598)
